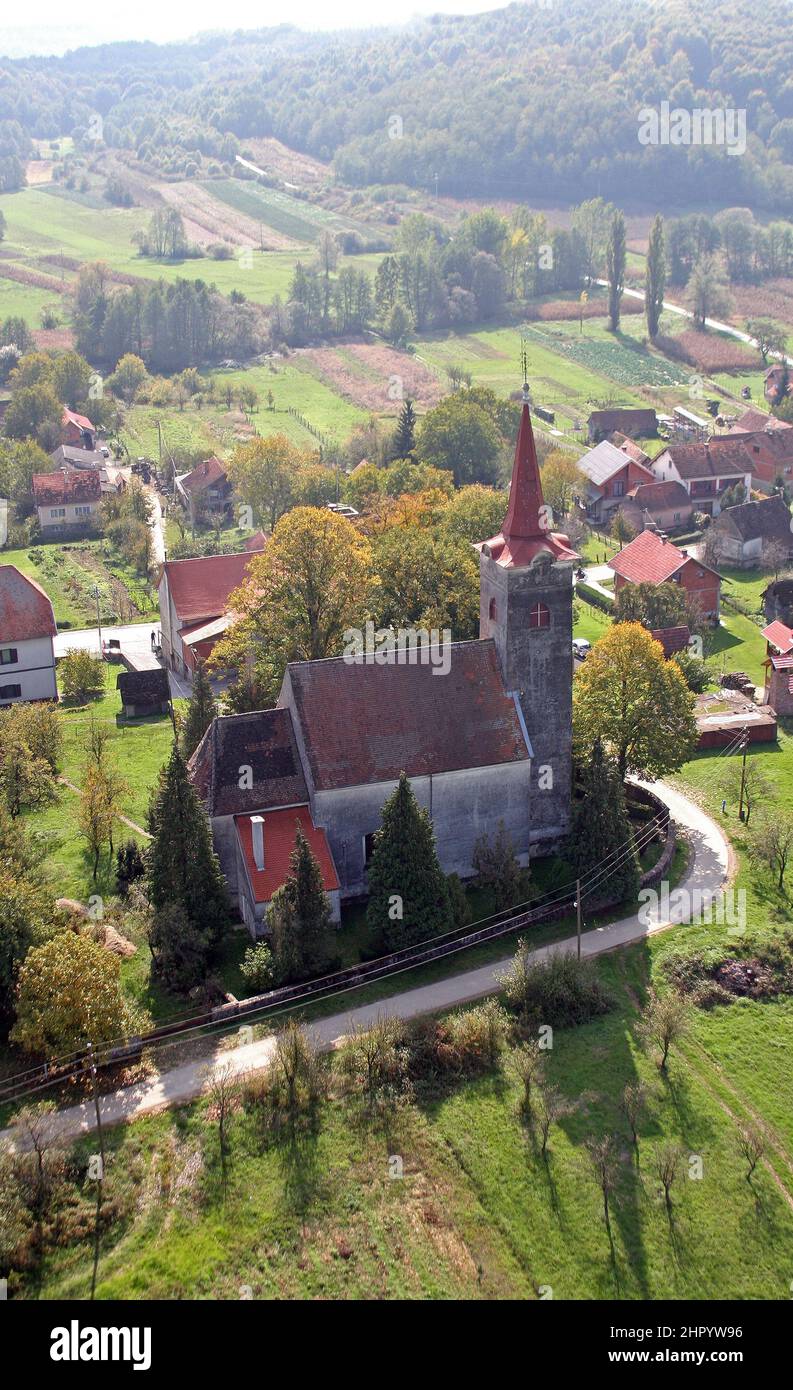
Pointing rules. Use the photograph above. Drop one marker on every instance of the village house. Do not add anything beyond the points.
(486, 738)
(640, 423)
(608, 476)
(69, 456)
(193, 597)
(779, 667)
(659, 506)
(706, 470)
(206, 488)
(748, 534)
(77, 430)
(778, 601)
(752, 420)
(66, 500)
(649, 559)
(672, 639)
(27, 627)
(776, 383)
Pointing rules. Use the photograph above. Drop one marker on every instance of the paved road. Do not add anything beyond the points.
(707, 872)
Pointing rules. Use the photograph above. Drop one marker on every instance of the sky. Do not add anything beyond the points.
(95, 21)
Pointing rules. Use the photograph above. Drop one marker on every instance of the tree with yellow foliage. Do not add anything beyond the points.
(264, 473)
(636, 702)
(314, 580)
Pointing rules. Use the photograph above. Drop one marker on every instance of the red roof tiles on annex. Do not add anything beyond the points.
(280, 830)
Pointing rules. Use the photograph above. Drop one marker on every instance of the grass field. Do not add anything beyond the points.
(478, 1212)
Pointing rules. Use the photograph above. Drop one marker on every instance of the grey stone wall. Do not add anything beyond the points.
(462, 805)
(538, 664)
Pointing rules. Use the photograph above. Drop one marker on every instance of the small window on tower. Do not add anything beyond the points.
(491, 612)
(539, 615)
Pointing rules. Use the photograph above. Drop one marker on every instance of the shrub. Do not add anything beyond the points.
(560, 990)
(257, 968)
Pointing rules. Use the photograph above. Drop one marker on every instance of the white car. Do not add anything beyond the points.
(581, 648)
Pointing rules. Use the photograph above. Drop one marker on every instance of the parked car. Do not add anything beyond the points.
(581, 648)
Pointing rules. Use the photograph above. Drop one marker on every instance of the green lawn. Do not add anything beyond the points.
(478, 1212)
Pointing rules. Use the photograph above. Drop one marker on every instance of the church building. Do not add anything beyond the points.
(483, 738)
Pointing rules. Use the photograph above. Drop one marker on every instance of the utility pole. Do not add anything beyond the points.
(159, 445)
(101, 1174)
(745, 746)
(578, 914)
(436, 184)
(98, 618)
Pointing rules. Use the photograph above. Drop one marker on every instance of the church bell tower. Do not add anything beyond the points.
(526, 607)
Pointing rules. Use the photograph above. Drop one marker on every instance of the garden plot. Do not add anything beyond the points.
(209, 220)
(373, 376)
(628, 366)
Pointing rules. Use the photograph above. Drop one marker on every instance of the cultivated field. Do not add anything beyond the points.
(372, 376)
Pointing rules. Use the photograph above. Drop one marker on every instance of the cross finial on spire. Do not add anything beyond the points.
(524, 367)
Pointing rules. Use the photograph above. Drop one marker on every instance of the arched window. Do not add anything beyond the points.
(491, 612)
(539, 615)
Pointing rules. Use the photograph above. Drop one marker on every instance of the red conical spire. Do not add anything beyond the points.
(526, 531)
(524, 517)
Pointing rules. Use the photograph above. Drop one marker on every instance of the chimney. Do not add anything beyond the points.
(257, 832)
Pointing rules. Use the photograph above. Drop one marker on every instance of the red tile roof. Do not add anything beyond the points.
(649, 560)
(70, 417)
(779, 636)
(664, 495)
(525, 531)
(280, 830)
(204, 475)
(672, 639)
(721, 456)
(363, 723)
(200, 588)
(25, 610)
(72, 485)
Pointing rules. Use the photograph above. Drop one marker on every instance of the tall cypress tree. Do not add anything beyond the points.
(616, 257)
(182, 866)
(655, 276)
(409, 895)
(599, 828)
(299, 917)
(200, 712)
(405, 433)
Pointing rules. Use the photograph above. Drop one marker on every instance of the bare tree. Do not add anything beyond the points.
(606, 1166)
(756, 787)
(751, 1146)
(297, 1070)
(667, 1168)
(773, 842)
(776, 556)
(664, 1022)
(528, 1065)
(633, 1105)
(223, 1090)
(553, 1107)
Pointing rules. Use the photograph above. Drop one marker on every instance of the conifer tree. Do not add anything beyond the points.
(182, 865)
(601, 832)
(655, 278)
(405, 434)
(200, 712)
(299, 917)
(615, 269)
(409, 895)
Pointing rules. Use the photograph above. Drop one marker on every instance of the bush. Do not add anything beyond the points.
(81, 675)
(560, 990)
(257, 968)
(468, 1042)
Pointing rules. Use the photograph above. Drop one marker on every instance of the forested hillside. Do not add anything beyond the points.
(533, 101)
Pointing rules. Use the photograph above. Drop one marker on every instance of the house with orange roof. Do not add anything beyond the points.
(649, 559)
(27, 629)
(206, 487)
(67, 500)
(77, 430)
(194, 604)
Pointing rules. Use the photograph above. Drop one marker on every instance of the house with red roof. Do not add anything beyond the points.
(779, 667)
(665, 506)
(485, 736)
(649, 559)
(707, 470)
(205, 488)
(27, 629)
(77, 430)
(67, 500)
(194, 605)
(608, 476)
